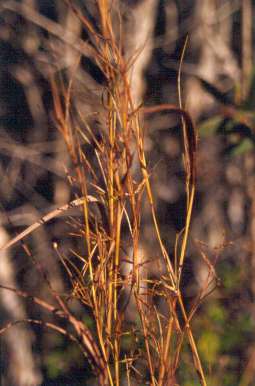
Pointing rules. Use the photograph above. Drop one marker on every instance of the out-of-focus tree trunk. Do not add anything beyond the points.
(22, 366)
(210, 45)
(139, 31)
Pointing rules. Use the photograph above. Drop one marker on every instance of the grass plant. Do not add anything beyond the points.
(110, 188)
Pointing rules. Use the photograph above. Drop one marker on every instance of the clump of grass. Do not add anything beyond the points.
(112, 185)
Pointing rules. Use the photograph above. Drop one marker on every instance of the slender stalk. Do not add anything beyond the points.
(146, 339)
(116, 285)
(166, 352)
(192, 342)
(151, 201)
(186, 233)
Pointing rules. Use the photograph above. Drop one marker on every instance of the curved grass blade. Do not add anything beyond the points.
(49, 216)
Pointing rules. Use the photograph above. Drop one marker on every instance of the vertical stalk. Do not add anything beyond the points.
(192, 342)
(146, 340)
(115, 300)
(247, 17)
(112, 119)
(166, 350)
(151, 201)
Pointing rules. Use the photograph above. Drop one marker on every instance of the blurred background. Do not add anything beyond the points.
(42, 38)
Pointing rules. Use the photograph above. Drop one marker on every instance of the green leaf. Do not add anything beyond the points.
(55, 364)
(250, 100)
(192, 383)
(217, 313)
(210, 126)
(209, 346)
(244, 146)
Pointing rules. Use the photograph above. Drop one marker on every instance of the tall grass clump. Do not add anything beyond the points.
(111, 182)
